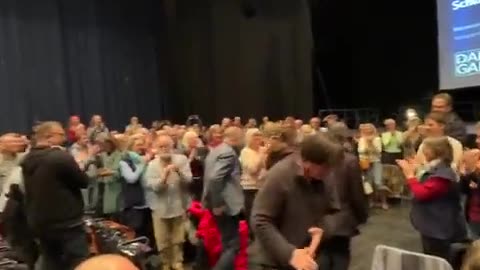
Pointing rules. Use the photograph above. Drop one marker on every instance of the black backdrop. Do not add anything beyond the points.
(79, 57)
(153, 59)
(235, 57)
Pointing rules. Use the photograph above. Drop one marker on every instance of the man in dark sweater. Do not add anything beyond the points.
(293, 200)
(53, 200)
(353, 211)
(454, 126)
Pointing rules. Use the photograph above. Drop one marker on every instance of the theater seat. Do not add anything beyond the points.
(389, 258)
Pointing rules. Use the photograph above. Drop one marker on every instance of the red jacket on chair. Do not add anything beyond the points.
(207, 231)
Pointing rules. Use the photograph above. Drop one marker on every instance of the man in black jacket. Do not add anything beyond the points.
(53, 200)
(346, 178)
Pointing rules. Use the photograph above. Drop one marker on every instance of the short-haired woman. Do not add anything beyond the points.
(370, 152)
(436, 211)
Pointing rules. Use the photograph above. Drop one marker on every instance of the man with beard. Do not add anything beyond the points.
(293, 200)
(166, 180)
(454, 126)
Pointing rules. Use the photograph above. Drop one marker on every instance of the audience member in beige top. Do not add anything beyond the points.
(252, 159)
(435, 124)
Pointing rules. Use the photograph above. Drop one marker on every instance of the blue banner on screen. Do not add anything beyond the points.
(459, 43)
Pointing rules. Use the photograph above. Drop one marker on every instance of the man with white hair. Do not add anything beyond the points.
(392, 141)
(166, 179)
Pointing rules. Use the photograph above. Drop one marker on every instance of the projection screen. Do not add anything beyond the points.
(459, 43)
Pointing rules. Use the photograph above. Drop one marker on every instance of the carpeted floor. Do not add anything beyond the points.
(391, 228)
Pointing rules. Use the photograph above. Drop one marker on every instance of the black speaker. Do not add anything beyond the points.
(248, 9)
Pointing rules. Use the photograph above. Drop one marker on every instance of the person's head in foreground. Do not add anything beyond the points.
(472, 259)
(107, 262)
(318, 156)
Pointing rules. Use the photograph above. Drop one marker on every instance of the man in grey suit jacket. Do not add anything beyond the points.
(223, 194)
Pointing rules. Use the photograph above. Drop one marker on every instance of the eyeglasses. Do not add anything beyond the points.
(59, 133)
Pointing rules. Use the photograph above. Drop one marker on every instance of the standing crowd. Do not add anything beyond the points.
(288, 182)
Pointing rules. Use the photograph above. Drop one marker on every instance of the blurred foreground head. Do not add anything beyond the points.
(107, 262)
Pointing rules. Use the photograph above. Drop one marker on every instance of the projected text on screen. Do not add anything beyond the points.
(459, 43)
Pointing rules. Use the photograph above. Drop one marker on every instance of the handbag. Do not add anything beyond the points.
(364, 164)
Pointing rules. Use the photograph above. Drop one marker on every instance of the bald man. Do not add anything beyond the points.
(223, 194)
(107, 262)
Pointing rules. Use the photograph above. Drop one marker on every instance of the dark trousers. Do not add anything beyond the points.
(228, 227)
(249, 195)
(335, 254)
(201, 257)
(139, 220)
(436, 247)
(63, 249)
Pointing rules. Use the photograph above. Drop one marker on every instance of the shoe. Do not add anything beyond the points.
(385, 206)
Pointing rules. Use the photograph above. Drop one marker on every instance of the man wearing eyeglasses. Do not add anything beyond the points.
(53, 200)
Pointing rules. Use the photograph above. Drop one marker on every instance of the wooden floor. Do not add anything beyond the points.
(391, 228)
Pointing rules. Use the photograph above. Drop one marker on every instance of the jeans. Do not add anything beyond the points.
(63, 249)
(228, 227)
(375, 173)
(335, 254)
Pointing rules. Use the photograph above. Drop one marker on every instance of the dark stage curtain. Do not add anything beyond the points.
(63, 57)
(240, 58)
(154, 59)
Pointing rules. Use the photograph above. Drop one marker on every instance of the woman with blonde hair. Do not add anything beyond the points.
(135, 213)
(412, 138)
(252, 159)
(436, 211)
(370, 153)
